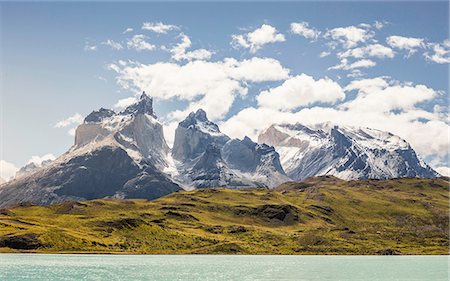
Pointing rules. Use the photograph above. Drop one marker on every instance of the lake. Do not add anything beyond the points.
(221, 267)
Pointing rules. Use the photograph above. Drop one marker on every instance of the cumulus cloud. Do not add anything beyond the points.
(324, 54)
(350, 36)
(158, 27)
(303, 29)
(441, 52)
(256, 39)
(380, 103)
(37, 160)
(7, 170)
(385, 97)
(113, 44)
(139, 43)
(443, 170)
(345, 65)
(123, 103)
(409, 44)
(72, 122)
(212, 86)
(179, 52)
(301, 90)
(372, 50)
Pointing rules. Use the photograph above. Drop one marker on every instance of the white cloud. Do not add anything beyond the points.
(409, 44)
(386, 98)
(158, 27)
(349, 36)
(441, 52)
(256, 39)
(443, 170)
(129, 29)
(380, 104)
(212, 86)
(7, 170)
(372, 50)
(179, 51)
(368, 85)
(139, 43)
(303, 29)
(169, 132)
(301, 90)
(113, 44)
(89, 47)
(123, 103)
(379, 24)
(72, 121)
(39, 159)
(75, 119)
(324, 54)
(345, 65)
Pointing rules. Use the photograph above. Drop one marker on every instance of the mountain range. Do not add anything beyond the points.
(125, 155)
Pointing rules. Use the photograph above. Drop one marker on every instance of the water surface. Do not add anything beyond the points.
(218, 267)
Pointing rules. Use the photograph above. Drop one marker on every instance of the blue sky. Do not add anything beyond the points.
(57, 64)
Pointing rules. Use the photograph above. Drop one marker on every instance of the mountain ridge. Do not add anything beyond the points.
(343, 151)
(202, 156)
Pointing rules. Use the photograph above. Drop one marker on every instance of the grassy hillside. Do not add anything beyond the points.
(319, 216)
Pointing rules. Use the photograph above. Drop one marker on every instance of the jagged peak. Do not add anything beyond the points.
(200, 114)
(198, 120)
(99, 115)
(143, 106)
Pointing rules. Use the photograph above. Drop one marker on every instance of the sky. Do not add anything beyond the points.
(382, 65)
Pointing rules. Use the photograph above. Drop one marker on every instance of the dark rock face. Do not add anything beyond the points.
(125, 223)
(96, 175)
(278, 214)
(246, 155)
(99, 115)
(105, 172)
(21, 242)
(144, 106)
(210, 170)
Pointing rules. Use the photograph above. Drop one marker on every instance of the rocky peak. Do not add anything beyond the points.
(143, 106)
(98, 115)
(199, 120)
(194, 134)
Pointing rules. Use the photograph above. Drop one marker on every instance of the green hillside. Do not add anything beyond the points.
(319, 216)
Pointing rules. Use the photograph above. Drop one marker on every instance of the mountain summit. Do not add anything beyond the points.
(210, 158)
(143, 106)
(115, 155)
(343, 151)
(125, 155)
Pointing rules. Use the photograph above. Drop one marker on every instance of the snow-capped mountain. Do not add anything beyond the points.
(114, 155)
(343, 151)
(125, 155)
(205, 157)
(2, 181)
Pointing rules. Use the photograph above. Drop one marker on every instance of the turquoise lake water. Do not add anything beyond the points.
(212, 267)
